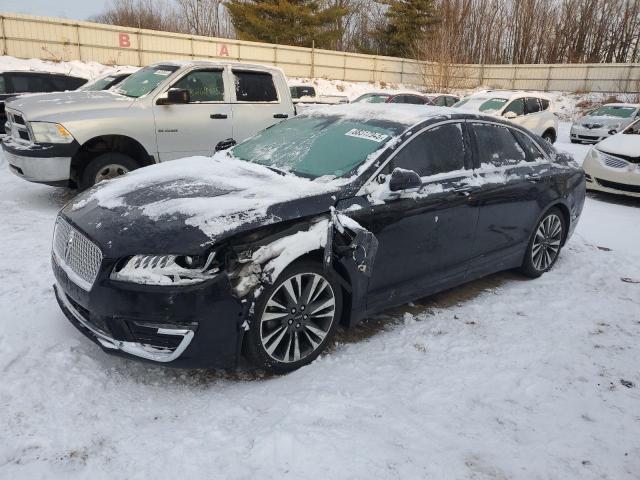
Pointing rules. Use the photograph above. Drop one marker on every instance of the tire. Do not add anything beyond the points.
(545, 244)
(549, 136)
(117, 163)
(281, 337)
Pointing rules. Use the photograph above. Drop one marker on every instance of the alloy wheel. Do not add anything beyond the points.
(110, 171)
(546, 243)
(297, 317)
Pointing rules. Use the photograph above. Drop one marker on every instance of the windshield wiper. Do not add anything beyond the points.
(277, 170)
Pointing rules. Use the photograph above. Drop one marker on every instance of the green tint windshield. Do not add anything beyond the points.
(613, 111)
(97, 85)
(493, 104)
(316, 146)
(145, 80)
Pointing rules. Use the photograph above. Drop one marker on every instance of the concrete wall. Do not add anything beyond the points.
(27, 36)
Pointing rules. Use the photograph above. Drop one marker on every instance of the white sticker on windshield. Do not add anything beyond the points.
(373, 136)
(164, 73)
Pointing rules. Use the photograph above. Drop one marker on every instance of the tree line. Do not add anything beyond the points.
(451, 31)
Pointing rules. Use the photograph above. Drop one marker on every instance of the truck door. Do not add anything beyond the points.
(195, 128)
(257, 102)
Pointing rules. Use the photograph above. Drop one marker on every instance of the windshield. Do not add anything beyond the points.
(633, 129)
(481, 104)
(98, 84)
(613, 111)
(372, 98)
(316, 146)
(145, 80)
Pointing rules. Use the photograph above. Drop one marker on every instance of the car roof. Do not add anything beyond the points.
(40, 72)
(620, 104)
(509, 94)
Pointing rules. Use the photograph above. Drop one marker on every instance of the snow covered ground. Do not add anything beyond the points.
(503, 378)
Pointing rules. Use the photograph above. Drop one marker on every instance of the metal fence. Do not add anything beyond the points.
(27, 36)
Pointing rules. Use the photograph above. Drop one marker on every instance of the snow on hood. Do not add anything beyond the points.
(605, 119)
(621, 144)
(213, 194)
(45, 106)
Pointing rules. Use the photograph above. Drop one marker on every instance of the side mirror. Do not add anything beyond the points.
(175, 96)
(402, 179)
(613, 132)
(225, 144)
(510, 115)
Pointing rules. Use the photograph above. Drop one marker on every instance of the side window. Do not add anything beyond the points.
(544, 103)
(441, 101)
(254, 87)
(497, 146)
(451, 101)
(203, 85)
(30, 83)
(517, 107)
(415, 100)
(3, 86)
(531, 106)
(398, 99)
(533, 152)
(439, 150)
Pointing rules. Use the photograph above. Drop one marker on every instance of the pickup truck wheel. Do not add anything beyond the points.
(106, 167)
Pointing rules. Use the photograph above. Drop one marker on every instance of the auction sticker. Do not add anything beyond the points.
(367, 135)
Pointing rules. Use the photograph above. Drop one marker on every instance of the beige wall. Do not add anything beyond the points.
(26, 36)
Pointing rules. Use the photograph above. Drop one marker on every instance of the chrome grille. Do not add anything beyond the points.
(16, 127)
(613, 162)
(78, 256)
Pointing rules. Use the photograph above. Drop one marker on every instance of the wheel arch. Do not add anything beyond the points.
(109, 143)
(552, 131)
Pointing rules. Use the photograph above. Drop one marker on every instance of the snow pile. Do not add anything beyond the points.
(76, 68)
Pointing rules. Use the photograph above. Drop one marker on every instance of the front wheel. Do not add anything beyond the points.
(549, 136)
(106, 167)
(545, 244)
(295, 318)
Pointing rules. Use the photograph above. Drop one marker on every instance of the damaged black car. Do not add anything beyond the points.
(264, 250)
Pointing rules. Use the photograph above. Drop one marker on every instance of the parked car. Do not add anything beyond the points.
(105, 82)
(317, 221)
(613, 165)
(162, 112)
(409, 98)
(17, 83)
(304, 96)
(603, 122)
(531, 110)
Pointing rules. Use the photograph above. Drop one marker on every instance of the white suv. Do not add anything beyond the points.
(531, 110)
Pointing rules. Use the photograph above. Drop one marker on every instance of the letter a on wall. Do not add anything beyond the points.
(224, 51)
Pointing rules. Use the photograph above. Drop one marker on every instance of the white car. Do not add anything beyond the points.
(603, 122)
(531, 110)
(613, 165)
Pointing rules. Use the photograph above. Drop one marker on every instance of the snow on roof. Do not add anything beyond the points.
(509, 94)
(620, 104)
(403, 114)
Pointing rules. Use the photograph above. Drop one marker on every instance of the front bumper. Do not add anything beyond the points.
(50, 164)
(189, 327)
(620, 181)
(588, 135)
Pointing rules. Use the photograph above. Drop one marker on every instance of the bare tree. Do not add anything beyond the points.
(205, 17)
(151, 14)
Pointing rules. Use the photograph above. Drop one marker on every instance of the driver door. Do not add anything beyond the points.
(195, 128)
(425, 237)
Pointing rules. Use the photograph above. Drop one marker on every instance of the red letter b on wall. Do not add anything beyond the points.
(125, 42)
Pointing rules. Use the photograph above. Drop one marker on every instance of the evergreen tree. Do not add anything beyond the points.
(288, 22)
(407, 22)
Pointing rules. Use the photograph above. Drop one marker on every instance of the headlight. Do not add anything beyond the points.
(45, 132)
(166, 269)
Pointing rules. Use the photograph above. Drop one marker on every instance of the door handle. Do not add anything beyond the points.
(218, 116)
(280, 115)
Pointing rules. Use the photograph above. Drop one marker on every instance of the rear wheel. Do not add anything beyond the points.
(545, 244)
(549, 136)
(295, 318)
(106, 167)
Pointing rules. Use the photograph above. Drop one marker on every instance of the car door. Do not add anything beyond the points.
(194, 128)
(511, 177)
(425, 237)
(256, 102)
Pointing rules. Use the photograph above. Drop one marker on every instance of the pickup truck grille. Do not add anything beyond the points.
(16, 127)
(78, 256)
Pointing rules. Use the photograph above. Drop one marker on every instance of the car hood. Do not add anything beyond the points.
(605, 121)
(187, 205)
(54, 106)
(624, 144)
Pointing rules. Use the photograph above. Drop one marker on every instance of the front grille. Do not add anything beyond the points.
(78, 256)
(623, 187)
(613, 162)
(592, 125)
(588, 137)
(16, 127)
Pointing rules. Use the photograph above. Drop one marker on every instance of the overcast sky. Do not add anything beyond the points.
(76, 9)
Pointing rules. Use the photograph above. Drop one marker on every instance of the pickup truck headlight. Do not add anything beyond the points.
(166, 269)
(46, 132)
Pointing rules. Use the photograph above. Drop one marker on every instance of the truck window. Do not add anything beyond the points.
(203, 85)
(27, 83)
(254, 86)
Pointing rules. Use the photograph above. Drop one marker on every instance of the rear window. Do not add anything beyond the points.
(254, 87)
(302, 91)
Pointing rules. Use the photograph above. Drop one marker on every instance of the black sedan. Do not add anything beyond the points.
(265, 249)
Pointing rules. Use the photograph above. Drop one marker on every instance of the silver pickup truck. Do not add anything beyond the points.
(162, 112)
